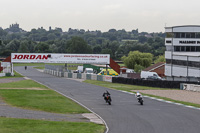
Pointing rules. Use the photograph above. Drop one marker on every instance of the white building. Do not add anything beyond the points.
(182, 53)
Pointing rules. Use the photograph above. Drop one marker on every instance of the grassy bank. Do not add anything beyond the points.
(42, 65)
(11, 125)
(45, 100)
(128, 88)
(17, 75)
(118, 86)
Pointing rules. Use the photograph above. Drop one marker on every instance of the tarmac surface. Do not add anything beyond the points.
(125, 115)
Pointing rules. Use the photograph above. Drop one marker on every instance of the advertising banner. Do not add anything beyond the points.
(108, 78)
(60, 58)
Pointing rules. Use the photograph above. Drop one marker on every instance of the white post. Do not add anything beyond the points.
(12, 69)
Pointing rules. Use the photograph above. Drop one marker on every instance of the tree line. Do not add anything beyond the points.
(117, 43)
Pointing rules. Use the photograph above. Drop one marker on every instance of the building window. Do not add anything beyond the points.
(193, 48)
(177, 48)
(183, 48)
(187, 35)
(198, 35)
(192, 35)
(182, 63)
(168, 41)
(177, 35)
(188, 49)
(198, 48)
(182, 35)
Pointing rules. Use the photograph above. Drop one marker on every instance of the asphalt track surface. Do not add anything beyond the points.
(125, 115)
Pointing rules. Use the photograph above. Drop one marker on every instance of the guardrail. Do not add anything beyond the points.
(79, 75)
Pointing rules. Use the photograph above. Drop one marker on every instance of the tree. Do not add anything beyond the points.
(42, 48)
(78, 45)
(142, 39)
(160, 58)
(13, 45)
(97, 49)
(136, 58)
(23, 47)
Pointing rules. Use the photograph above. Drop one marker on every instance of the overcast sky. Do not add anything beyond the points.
(146, 15)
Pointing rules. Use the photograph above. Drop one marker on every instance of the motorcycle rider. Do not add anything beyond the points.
(138, 95)
(105, 94)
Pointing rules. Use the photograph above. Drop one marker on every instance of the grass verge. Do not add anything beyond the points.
(17, 75)
(12, 125)
(45, 100)
(38, 67)
(128, 88)
(118, 86)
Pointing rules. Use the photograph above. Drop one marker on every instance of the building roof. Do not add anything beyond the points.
(153, 67)
(183, 26)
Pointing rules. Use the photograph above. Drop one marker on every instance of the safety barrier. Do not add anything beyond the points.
(151, 83)
(79, 75)
(191, 87)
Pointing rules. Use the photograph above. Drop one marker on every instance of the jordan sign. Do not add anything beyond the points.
(60, 58)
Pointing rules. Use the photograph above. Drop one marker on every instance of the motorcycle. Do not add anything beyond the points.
(139, 98)
(107, 97)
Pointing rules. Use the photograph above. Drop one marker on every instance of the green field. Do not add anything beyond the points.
(45, 100)
(118, 86)
(12, 125)
(17, 75)
(42, 65)
(28, 94)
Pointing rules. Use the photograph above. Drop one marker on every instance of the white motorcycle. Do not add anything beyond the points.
(139, 98)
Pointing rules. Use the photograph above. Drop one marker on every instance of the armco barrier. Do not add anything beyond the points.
(88, 76)
(66, 74)
(93, 77)
(84, 76)
(150, 83)
(69, 75)
(79, 75)
(99, 77)
(191, 87)
(74, 75)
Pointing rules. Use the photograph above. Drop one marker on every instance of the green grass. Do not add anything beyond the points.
(12, 125)
(17, 75)
(118, 86)
(42, 65)
(45, 100)
(128, 88)
(22, 84)
(38, 67)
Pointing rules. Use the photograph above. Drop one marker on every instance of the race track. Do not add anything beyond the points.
(125, 115)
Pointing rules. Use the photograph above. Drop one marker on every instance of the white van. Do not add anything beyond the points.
(146, 74)
(89, 70)
(130, 71)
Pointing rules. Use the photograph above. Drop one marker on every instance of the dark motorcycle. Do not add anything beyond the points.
(107, 97)
(140, 100)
